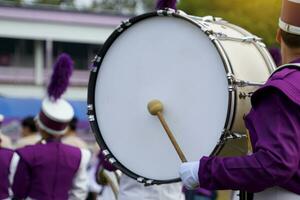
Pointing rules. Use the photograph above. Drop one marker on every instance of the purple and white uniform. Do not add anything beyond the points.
(8, 160)
(51, 171)
(130, 189)
(274, 127)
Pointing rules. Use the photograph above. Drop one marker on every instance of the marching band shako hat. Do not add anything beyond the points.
(290, 16)
(56, 113)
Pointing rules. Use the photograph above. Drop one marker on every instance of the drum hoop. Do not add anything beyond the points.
(260, 46)
(232, 97)
(95, 71)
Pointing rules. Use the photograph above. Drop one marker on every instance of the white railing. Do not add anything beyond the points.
(25, 75)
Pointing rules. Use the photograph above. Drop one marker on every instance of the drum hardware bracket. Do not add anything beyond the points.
(107, 155)
(229, 135)
(90, 107)
(244, 95)
(112, 160)
(91, 118)
(211, 37)
(251, 39)
(241, 83)
(160, 13)
(140, 179)
(105, 152)
(126, 23)
(170, 11)
(123, 25)
(96, 61)
(167, 12)
(120, 29)
(146, 182)
(246, 39)
(94, 69)
(233, 82)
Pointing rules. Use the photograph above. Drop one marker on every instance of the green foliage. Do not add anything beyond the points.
(14, 2)
(260, 17)
(49, 2)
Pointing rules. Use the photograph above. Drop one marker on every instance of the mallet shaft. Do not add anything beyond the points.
(171, 137)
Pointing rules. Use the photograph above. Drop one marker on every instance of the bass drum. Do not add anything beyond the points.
(203, 69)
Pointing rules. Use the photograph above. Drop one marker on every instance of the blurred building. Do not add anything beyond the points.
(30, 40)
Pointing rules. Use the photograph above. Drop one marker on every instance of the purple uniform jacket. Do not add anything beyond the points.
(46, 171)
(5, 159)
(274, 126)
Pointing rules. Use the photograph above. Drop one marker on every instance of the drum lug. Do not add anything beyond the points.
(212, 37)
(96, 61)
(233, 82)
(148, 183)
(90, 107)
(91, 118)
(229, 135)
(170, 11)
(251, 39)
(105, 152)
(107, 155)
(126, 23)
(246, 39)
(123, 25)
(166, 12)
(140, 179)
(112, 160)
(160, 13)
(241, 83)
(244, 95)
(94, 69)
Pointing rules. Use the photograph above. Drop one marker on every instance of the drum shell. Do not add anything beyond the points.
(246, 61)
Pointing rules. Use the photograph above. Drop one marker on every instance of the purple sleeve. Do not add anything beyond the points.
(21, 182)
(276, 158)
(104, 163)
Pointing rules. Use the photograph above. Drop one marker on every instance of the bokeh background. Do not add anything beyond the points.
(34, 32)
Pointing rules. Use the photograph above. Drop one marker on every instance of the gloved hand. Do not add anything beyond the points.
(189, 174)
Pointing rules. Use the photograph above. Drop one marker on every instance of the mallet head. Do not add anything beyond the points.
(155, 106)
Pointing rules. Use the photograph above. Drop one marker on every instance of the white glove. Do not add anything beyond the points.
(189, 174)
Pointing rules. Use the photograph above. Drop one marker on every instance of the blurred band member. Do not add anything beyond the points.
(71, 137)
(130, 189)
(29, 134)
(8, 160)
(6, 141)
(50, 169)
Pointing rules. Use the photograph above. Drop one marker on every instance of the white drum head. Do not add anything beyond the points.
(172, 60)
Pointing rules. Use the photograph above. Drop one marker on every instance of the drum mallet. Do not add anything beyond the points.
(155, 107)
